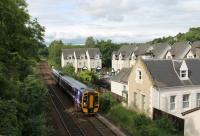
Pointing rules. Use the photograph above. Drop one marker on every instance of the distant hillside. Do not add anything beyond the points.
(192, 35)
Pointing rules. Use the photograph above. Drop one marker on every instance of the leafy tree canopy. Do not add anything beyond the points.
(192, 35)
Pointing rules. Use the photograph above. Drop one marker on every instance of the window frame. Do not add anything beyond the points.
(172, 103)
(198, 100)
(186, 101)
(183, 72)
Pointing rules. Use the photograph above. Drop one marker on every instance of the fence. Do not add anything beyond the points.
(178, 122)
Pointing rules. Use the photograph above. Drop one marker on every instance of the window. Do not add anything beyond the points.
(198, 100)
(124, 87)
(183, 73)
(186, 100)
(139, 75)
(172, 102)
(169, 57)
(125, 95)
(135, 98)
(143, 101)
(97, 57)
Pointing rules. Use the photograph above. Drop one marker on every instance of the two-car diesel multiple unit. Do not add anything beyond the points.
(86, 98)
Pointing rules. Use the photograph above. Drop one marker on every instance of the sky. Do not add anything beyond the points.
(119, 20)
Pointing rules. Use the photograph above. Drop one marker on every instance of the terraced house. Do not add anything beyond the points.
(170, 85)
(125, 57)
(82, 58)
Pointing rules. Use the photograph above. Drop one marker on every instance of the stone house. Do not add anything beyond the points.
(172, 86)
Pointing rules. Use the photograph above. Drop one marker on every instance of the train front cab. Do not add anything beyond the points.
(90, 102)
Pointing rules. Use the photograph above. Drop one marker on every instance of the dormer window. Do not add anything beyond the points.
(183, 71)
(97, 57)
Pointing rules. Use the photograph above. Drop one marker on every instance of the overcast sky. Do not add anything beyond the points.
(119, 20)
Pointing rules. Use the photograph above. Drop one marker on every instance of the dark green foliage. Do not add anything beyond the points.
(55, 53)
(8, 116)
(166, 124)
(90, 42)
(69, 70)
(107, 102)
(107, 48)
(141, 120)
(136, 123)
(192, 35)
(22, 97)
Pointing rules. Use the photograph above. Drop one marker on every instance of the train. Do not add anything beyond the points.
(86, 98)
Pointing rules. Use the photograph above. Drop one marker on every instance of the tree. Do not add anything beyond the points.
(90, 42)
(55, 49)
(21, 38)
(68, 70)
(192, 35)
(107, 48)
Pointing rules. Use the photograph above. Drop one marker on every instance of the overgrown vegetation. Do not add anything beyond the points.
(192, 35)
(23, 100)
(136, 123)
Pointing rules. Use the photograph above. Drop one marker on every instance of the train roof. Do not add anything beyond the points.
(76, 84)
(55, 71)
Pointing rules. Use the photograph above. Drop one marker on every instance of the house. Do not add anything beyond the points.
(170, 85)
(191, 122)
(196, 49)
(126, 56)
(119, 83)
(82, 58)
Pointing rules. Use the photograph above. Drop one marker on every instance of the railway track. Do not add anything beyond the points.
(75, 123)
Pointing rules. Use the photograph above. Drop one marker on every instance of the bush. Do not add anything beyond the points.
(141, 120)
(148, 130)
(166, 124)
(107, 102)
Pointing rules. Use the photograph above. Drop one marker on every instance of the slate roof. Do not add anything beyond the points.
(122, 76)
(93, 51)
(81, 51)
(126, 51)
(142, 49)
(195, 45)
(180, 49)
(67, 52)
(160, 50)
(165, 73)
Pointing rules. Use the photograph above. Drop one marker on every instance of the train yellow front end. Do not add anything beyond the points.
(90, 102)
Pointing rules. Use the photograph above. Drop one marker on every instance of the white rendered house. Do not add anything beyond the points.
(82, 58)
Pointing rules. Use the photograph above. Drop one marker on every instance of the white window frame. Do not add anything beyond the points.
(183, 72)
(172, 103)
(198, 99)
(186, 101)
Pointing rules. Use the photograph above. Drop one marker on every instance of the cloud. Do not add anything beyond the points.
(107, 9)
(119, 20)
